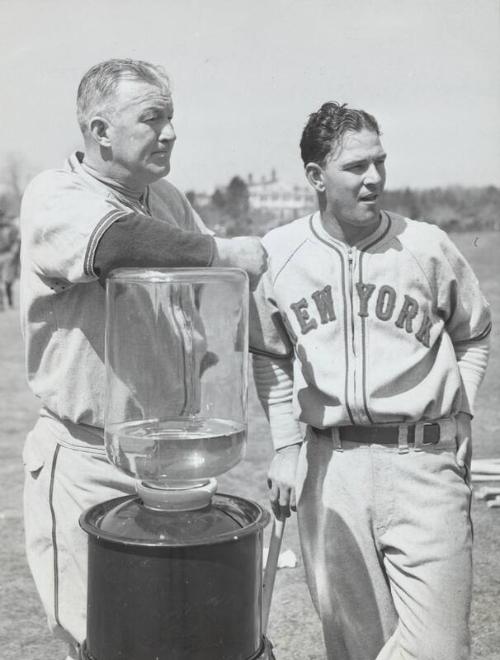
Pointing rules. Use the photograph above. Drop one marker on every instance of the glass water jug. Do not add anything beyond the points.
(176, 369)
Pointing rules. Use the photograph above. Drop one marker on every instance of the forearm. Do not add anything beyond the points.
(472, 359)
(143, 242)
(274, 384)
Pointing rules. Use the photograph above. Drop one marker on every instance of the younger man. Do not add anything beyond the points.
(390, 345)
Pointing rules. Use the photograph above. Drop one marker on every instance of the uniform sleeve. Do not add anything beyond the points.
(274, 383)
(267, 333)
(460, 301)
(143, 242)
(62, 222)
(272, 356)
(467, 319)
(74, 235)
(472, 360)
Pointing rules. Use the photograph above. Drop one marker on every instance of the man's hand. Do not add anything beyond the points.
(281, 481)
(464, 441)
(246, 252)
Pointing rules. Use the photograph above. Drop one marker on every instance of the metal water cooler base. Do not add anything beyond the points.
(175, 585)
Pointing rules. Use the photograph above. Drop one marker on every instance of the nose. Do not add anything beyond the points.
(374, 175)
(168, 133)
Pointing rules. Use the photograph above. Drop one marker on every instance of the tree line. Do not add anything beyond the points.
(453, 208)
(228, 210)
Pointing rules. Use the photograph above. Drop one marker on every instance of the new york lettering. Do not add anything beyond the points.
(388, 305)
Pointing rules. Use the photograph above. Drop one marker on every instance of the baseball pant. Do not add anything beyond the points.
(387, 544)
(61, 482)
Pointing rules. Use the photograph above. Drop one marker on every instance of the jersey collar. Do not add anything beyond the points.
(377, 235)
(75, 163)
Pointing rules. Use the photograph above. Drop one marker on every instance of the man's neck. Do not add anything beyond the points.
(347, 233)
(110, 175)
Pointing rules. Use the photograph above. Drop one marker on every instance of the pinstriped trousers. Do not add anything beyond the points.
(387, 544)
(60, 484)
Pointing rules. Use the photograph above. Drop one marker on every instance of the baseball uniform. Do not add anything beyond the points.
(390, 342)
(66, 215)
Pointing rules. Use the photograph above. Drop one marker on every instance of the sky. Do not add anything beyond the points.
(247, 73)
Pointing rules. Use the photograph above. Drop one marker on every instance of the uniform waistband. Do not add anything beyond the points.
(417, 435)
(81, 437)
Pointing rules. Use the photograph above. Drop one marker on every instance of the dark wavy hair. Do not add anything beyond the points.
(325, 128)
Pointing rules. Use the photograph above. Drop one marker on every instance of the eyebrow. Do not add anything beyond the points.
(152, 101)
(362, 161)
(157, 107)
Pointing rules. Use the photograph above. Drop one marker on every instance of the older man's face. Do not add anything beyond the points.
(141, 132)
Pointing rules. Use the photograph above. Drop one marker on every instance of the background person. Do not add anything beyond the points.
(390, 334)
(11, 266)
(9, 259)
(108, 207)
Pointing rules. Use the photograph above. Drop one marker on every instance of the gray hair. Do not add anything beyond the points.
(98, 85)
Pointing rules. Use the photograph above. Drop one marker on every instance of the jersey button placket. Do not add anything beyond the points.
(360, 337)
(354, 375)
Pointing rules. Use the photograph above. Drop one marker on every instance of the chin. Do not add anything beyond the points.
(370, 218)
(158, 173)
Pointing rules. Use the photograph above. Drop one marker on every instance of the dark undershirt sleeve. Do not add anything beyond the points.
(143, 242)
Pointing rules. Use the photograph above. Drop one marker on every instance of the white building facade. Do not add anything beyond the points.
(285, 201)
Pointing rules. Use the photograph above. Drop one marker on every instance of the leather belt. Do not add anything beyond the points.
(382, 435)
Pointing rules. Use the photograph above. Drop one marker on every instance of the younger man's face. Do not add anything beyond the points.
(354, 178)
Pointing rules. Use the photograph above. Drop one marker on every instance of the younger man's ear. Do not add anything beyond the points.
(314, 174)
(99, 129)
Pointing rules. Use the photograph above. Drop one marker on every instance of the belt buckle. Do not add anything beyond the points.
(433, 440)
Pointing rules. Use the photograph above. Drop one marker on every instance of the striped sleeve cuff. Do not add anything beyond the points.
(99, 230)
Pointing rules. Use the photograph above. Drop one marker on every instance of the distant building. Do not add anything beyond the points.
(270, 203)
(201, 199)
(284, 201)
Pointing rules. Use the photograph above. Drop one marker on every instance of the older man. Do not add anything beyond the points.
(107, 207)
(391, 342)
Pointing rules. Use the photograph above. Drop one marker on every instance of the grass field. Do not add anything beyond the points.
(293, 628)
